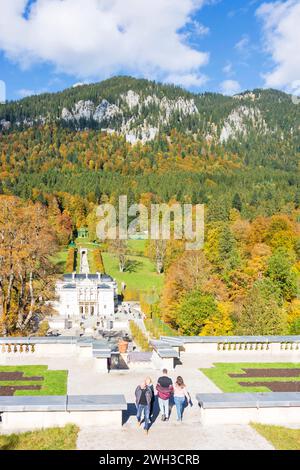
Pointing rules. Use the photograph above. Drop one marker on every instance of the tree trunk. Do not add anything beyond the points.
(122, 263)
(160, 253)
(32, 301)
(21, 298)
(9, 289)
(3, 325)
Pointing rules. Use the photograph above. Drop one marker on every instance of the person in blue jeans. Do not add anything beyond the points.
(150, 385)
(164, 390)
(180, 396)
(143, 398)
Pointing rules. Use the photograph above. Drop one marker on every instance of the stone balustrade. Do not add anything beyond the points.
(248, 346)
(268, 345)
(17, 348)
(60, 346)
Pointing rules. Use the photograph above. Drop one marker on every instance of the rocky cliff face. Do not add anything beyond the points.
(240, 121)
(88, 111)
(132, 109)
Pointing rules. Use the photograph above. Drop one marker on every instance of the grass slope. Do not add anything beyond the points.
(142, 276)
(281, 438)
(60, 259)
(219, 375)
(46, 439)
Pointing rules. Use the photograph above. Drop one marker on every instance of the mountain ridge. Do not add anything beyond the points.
(140, 110)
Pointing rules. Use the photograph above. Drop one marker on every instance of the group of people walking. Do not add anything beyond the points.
(145, 396)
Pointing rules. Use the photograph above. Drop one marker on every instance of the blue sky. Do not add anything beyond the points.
(203, 45)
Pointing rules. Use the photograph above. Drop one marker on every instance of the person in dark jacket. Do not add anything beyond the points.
(150, 385)
(164, 389)
(143, 397)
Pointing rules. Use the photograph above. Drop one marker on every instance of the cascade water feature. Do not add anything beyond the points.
(84, 263)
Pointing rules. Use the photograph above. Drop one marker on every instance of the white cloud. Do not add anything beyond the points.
(228, 69)
(24, 92)
(98, 38)
(199, 29)
(2, 92)
(230, 87)
(187, 80)
(281, 21)
(243, 44)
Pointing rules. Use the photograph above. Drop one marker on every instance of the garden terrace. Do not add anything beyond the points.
(84, 378)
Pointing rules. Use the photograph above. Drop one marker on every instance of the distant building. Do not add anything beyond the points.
(84, 296)
(139, 235)
(83, 232)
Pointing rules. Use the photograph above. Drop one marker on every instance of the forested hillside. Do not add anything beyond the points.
(92, 165)
(141, 110)
(69, 151)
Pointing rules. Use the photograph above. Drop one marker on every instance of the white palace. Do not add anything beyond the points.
(86, 296)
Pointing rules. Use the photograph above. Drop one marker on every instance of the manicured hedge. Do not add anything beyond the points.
(139, 338)
(98, 261)
(71, 260)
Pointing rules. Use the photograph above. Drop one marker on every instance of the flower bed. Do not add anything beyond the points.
(243, 377)
(32, 380)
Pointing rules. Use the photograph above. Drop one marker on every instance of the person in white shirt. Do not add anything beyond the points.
(180, 396)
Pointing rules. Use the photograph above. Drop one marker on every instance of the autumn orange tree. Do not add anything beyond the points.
(26, 274)
(238, 256)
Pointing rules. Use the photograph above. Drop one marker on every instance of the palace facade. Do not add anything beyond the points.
(84, 296)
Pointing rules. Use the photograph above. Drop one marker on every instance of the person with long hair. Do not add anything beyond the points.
(143, 397)
(180, 396)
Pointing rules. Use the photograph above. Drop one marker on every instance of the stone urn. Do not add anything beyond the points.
(123, 346)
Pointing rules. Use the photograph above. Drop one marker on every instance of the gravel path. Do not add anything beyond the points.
(172, 436)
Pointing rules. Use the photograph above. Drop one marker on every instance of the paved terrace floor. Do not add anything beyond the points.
(189, 435)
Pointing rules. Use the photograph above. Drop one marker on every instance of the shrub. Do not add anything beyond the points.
(295, 327)
(98, 261)
(145, 306)
(139, 337)
(43, 328)
(131, 295)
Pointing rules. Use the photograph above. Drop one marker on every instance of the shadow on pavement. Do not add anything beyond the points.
(131, 411)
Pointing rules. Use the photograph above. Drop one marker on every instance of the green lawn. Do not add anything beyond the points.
(46, 439)
(142, 277)
(137, 246)
(281, 438)
(219, 375)
(54, 383)
(85, 243)
(59, 259)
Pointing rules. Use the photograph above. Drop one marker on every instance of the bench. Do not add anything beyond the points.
(36, 412)
(243, 408)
